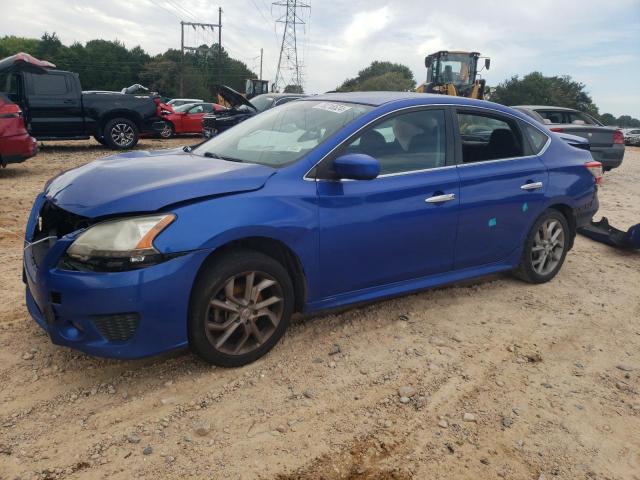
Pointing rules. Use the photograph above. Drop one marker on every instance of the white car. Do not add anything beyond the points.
(176, 102)
(631, 136)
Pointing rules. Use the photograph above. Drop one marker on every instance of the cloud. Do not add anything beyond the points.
(366, 24)
(569, 37)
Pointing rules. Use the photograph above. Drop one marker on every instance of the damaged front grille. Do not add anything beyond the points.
(53, 223)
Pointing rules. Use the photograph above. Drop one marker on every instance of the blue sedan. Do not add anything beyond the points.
(320, 203)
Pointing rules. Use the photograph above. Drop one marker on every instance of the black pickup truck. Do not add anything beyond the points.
(56, 108)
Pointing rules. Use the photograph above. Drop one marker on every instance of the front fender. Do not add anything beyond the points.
(290, 218)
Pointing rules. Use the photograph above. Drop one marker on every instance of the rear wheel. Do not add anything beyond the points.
(241, 306)
(168, 131)
(545, 248)
(120, 134)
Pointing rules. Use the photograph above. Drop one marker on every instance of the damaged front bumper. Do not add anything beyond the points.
(129, 314)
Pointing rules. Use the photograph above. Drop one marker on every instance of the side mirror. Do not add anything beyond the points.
(427, 61)
(356, 166)
(487, 63)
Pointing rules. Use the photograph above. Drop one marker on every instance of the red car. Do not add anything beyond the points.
(187, 118)
(16, 145)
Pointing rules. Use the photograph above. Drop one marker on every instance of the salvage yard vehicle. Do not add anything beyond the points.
(187, 118)
(606, 143)
(55, 108)
(323, 202)
(240, 109)
(454, 73)
(631, 136)
(176, 102)
(16, 145)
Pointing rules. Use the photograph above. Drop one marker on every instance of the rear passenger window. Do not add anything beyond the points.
(406, 142)
(485, 137)
(537, 139)
(48, 84)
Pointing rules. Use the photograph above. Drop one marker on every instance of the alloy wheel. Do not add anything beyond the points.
(244, 313)
(122, 134)
(548, 246)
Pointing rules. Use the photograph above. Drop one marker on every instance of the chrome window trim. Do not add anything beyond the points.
(435, 105)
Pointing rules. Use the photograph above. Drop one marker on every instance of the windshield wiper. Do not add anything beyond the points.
(219, 157)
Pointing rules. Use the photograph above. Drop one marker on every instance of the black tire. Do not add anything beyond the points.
(212, 282)
(100, 140)
(526, 270)
(120, 134)
(168, 132)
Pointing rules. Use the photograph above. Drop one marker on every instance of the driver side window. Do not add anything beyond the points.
(406, 142)
(196, 109)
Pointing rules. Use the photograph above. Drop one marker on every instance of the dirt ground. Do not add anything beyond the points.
(507, 380)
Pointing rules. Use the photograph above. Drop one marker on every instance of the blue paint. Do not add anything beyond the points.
(525, 206)
(493, 222)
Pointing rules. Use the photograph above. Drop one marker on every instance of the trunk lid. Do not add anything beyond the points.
(597, 136)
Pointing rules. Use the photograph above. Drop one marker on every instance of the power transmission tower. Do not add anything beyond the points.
(289, 65)
(198, 49)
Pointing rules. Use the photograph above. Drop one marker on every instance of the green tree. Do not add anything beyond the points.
(608, 119)
(627, 121)
(536, 89)
(381, 76)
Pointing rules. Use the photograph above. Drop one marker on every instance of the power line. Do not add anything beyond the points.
(180, 9)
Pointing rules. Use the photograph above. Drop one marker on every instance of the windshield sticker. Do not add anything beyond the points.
(333, 107)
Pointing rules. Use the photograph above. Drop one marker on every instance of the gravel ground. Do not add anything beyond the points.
(491, 379)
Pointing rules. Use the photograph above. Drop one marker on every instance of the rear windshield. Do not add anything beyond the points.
(567, 117)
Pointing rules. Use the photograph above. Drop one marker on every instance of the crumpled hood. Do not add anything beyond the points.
(142, 181)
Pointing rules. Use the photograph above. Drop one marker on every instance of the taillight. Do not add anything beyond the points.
(557, 129)
(10, 110)
(596, 170)
(618, 137)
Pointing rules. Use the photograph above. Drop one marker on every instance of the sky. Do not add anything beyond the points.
(595, 42)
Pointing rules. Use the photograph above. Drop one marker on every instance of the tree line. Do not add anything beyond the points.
(532, 89)
(109, 65)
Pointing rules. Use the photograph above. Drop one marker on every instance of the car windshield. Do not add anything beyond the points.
(263, 102)
(454, 68)
(184, 108)
(282, 135)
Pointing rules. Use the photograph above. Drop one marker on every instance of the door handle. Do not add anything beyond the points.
(441, 198)
(531, 186)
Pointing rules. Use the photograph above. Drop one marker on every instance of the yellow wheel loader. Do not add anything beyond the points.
(454, 73)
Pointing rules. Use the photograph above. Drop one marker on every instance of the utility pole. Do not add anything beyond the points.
(184, 48)
(219, 45)
(261, 54)
(289, 67)
(182, 59)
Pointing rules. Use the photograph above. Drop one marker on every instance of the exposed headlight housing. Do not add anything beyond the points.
(120, 244)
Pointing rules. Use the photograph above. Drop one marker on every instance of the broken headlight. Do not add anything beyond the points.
(119, 244)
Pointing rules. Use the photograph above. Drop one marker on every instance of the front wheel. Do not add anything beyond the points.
(241, 306)
(120, 134)
(545, 248)
(168, 131)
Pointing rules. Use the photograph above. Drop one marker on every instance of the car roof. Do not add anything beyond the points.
(280, 95)
(545, 107)
(377, 99)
